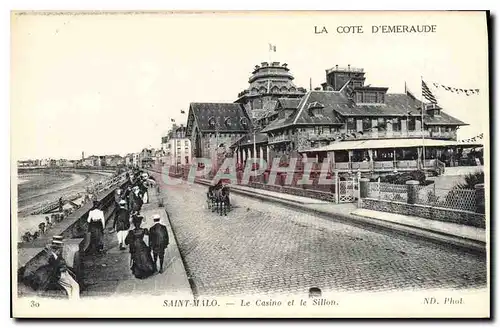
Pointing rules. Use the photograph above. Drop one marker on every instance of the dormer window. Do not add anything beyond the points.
(244, 122)
(315, 108)
(211, 122)
(380, 97)
(227, 121)
(359, 97)
(370, 97)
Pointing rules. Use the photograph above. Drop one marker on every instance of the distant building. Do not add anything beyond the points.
(114, 160)
(146, 157)
(176, 147)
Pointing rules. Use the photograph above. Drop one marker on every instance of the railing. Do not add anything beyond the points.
(383, 165)
(441, 167)
(322, 136)
(407, 164)
(342, 166)
(276, 139)
(345, 69)
(393, 134)
(444, 134)
(368, 135)
(458, 199)
(360, 165)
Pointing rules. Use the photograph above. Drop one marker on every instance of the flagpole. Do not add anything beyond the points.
(422, 125)
(407, 110)
(269, 81)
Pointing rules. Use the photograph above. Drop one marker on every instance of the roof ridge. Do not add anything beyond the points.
(208, 102)
(306, 98)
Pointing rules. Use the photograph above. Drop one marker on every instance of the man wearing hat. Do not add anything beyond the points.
(60, 269)
(122, 223)
(158, 240)
(135, 201)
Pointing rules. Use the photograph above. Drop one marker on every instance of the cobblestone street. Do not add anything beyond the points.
(264, 248)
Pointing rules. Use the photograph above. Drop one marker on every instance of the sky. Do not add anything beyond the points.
(110, 84)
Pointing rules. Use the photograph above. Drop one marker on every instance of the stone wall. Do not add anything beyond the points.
(326, 196)
(427, 212)
(73, 229)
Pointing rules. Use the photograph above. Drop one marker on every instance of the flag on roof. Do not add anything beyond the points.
(427, 94)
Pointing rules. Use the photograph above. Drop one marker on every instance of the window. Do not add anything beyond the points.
(318, 130)
(211, 122)
(396, 124)
(351, 124)
(380, 97)
(367, 124)
(370, 97)
(359, 97)
(381, 123)
(411, 124)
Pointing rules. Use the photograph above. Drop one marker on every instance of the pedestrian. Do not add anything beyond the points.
(144, 192)
(118, 196)
(142, 265)
(60, 271)
(41, 227)
(48, 222)
(61, 203)
(158, 240)
(122, 223)
(96, 228)
(135, 200)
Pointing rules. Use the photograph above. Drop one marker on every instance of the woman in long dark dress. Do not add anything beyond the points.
(96, 228)
(142, 261)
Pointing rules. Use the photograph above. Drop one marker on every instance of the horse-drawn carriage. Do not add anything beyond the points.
(218, 197)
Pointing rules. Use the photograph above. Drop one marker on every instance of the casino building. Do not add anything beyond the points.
(358, 127)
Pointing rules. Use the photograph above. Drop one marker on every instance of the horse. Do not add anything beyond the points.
(222, 202)
(211, 196)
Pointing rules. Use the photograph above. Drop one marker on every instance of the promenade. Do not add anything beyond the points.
(110, 275)
(446, 233)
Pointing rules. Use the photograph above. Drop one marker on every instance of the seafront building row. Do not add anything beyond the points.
(356, 126)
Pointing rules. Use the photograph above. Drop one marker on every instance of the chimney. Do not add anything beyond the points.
(336, 67)
(349, 67)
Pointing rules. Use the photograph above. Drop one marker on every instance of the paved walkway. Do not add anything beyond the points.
(444, 232)
(462, 170)
(448, 228)
(110, 274)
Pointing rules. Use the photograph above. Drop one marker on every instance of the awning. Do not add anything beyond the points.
(389, 143)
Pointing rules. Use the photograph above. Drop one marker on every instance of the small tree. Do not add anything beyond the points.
(471, 180)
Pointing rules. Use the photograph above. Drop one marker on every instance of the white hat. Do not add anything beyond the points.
(156, 217)
(57, 241)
